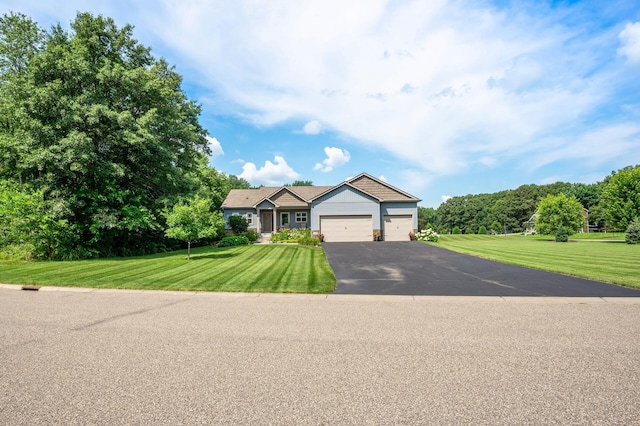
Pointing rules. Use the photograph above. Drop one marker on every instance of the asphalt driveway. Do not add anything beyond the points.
(413, 268)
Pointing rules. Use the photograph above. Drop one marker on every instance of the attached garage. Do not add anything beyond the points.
(346, 228)
(397, 227)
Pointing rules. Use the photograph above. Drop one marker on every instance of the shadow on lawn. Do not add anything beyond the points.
(213, 256)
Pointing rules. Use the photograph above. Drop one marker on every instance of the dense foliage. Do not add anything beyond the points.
(233, 240)
(612, 204)
(621, 197)
(238, 224)
(632, 236)
(559, 211)
(99, 137)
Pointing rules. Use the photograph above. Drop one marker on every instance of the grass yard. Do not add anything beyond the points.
(600, 257)
(269, 268)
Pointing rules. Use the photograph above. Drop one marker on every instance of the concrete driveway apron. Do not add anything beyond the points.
(413, 268)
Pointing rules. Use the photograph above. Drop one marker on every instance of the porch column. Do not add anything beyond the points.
(275, 212)
(258, 223)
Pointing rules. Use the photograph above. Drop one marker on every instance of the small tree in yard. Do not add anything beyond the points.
(482, 230)
(561, 235)
(555, 211)
(633, 233)
(192, 221)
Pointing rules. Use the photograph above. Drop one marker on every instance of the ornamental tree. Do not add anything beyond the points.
(555, 211)
(191, 221)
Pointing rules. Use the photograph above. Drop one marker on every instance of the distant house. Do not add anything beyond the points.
(354, 210)
(529, 225)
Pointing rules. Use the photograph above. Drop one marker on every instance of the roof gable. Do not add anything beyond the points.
(340, 185)
(380, 189)
(284, 197)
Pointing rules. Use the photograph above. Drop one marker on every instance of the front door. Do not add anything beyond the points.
(266, 219)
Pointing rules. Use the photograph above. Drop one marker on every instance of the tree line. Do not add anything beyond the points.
(613, 204)
(98, 142)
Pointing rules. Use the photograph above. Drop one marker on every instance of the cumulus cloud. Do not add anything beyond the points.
(336, 157)
(215, 147)
(313, 127)
(630, 42)
(382, 178)
(445, 198)
(271, 174)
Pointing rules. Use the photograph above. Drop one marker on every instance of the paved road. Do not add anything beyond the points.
(412, 268)
(70, 357)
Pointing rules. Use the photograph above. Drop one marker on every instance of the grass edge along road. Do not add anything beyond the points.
(272, 268)
(607, 260)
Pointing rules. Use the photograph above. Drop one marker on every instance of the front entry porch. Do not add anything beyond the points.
(267, 222)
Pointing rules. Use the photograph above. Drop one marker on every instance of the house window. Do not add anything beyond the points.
(284, 218)
(249, 217)
(301, 216)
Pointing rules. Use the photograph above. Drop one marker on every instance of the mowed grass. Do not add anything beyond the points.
(269, 268)
(605, 257)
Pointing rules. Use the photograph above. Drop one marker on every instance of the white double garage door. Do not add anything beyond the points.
(360, 228)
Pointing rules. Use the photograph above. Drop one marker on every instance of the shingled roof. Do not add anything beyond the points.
(249, 198)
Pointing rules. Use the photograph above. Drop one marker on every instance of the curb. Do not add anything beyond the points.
(344, 297)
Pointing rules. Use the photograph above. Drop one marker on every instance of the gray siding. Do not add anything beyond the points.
(344, 201)
(241, 212)
(292, 218)
(401, 209)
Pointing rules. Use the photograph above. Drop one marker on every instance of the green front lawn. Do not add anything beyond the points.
(269, 268)
(600, 257)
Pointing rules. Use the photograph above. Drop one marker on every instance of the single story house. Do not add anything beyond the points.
(362, 208)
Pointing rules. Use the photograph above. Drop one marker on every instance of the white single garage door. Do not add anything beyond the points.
(346, 228)
(397, 227)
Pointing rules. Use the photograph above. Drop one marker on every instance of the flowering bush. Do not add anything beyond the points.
(428, 235)
(300, 236)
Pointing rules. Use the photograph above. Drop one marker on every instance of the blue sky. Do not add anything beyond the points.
(439, 98)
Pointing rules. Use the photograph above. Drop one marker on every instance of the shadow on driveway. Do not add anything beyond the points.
(413, 268)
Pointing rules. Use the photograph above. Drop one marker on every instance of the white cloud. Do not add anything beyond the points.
(313, 127)
(444, 198)
(215, 146)
(438, 85)
(630, 42)
(435, 84)
(382, 178)
(271, 174)
(336, 157)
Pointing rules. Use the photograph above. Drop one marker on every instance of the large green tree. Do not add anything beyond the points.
(556, 211)
(621, 197)
(427, 217)
(213, 184)
(91, 119)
